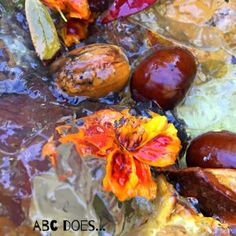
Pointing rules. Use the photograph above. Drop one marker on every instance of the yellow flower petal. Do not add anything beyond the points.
(153, 127)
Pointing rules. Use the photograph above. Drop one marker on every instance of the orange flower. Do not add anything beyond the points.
(130, 145)
(78, 9)
(55, 4)
(73, 8)
(78, 17)
(74, 30)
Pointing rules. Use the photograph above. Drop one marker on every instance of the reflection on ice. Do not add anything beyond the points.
(208, 25)
(74, 192)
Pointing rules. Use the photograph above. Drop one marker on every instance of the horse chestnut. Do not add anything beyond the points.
(213, 150)
(165, 76)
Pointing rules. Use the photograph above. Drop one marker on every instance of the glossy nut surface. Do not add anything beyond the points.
(213, 150)
(165, 76)
(93, 70)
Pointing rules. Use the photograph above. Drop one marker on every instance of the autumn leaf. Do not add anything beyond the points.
(42, 29)
(77, 17)
(123, 8)
(78, 9)
(74, 30)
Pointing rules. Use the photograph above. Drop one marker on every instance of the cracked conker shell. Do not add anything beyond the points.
(213, 188)
(165, 76)
(93, 70)
(213, 150)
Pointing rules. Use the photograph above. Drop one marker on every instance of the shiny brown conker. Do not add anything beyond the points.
(213, 150)
(165, 76)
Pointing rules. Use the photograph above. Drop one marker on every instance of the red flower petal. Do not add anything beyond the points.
(96, 136)
(127, 177)
(146, 187)
(161, 151)
(121, 178)
(92, 140)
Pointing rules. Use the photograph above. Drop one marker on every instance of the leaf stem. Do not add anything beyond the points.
(62, 15)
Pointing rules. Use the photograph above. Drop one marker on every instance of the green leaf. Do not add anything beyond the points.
(42, 29)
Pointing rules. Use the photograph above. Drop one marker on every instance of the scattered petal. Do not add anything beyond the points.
(106, 116)
(49, 150)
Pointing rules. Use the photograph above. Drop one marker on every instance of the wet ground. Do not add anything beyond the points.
(31, 105)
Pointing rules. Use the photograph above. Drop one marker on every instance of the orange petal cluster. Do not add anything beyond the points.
(130, 144)
(72, 8)
(78, 17)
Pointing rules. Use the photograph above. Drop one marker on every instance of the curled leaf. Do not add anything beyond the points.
(122, 8)
(42, 29)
